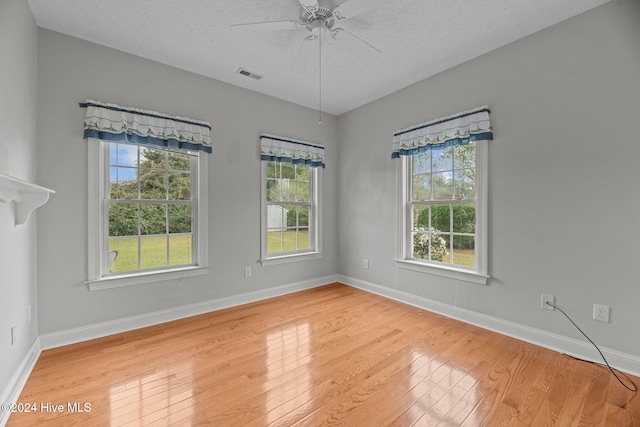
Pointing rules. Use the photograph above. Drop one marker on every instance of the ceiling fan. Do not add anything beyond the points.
(318, 18)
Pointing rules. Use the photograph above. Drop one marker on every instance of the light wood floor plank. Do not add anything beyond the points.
(332, 355)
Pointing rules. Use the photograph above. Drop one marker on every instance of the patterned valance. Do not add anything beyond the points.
(457, 129)
(278, 149)
(114, 123)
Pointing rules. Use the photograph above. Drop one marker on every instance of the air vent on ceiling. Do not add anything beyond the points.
(249, 73)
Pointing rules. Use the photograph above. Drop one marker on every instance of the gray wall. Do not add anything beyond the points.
(71, 70)
(18, 79)
(564, 205)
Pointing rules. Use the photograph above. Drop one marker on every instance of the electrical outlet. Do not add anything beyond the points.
(28, 314)
(366, 263)
(546, 298)
(14, 336)
(601, 312)
(247, 272)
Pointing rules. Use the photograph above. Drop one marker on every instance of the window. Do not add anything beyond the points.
(443, 191)
(149, 208)
(147, 196)
(290, 214)
(147, 216)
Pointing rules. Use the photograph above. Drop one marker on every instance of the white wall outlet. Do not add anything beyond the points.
(14, 336)
(28, 314)
(601, 312)
(366, 263)
(546, 298)
(247, 272)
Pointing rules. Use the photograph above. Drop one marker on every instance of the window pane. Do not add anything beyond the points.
(442, 183)
(464, 251)
(272, 170)
(287, 170)
(441, 217)
(442, 160)
(420, 217)
(465, 183)
(113, 154)
(153, 251)
(123, 219)
(123, 183)
(421, 245)
(123, 155)
(289, 240)
(302, 173)
(292, 216)
(303, 216)
(153, 219)
(179, 186)
(440, 248)
(288, 190)
(422, 187)
(180, 250)
(153, 159)
(153, 185)
(273, 190)
(180, 219)
(303, 192)
(274, 244)
(126, 254)
(303, 239)
(430, 246)
(422, 162)
(464, 218)
(179, 162)
(114, 190)
(465, 156)
(276, 217)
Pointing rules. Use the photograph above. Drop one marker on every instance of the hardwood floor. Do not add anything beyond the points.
(333, 355)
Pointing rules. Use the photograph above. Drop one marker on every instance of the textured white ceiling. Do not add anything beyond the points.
(418, 38)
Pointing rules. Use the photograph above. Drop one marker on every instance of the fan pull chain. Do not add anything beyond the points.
(320, 77)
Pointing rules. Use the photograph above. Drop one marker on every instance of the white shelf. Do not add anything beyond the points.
(27, 196)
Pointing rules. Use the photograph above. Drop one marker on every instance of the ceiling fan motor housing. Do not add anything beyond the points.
(314, 20)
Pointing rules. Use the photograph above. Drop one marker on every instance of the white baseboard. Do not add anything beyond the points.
(624, 362)
(12, 390)
(99, 330)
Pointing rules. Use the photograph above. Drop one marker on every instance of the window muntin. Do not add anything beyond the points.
(149, 209)
(290, 209)
(442, 207)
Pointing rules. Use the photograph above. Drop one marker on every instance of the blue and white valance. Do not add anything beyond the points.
(457, 129)
(115, 123)
(278, 149)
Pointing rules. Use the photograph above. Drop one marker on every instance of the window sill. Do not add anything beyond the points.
(119, 281)
(449, 272)
(290, 258)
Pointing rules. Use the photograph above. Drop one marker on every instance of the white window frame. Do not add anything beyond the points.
(479, 274)
(98, 251)
(315, 222)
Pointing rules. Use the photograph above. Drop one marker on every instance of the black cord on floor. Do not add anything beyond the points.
(615, 372)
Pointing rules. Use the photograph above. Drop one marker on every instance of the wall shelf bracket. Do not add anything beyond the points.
(26, 196)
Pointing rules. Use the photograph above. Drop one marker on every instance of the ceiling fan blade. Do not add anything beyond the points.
(309, 5)
(351, 8)
(355, 44)
(267, 26)
(304, 55)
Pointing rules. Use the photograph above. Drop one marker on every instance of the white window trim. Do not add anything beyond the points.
(479, 275)
(97, 223)
(315, 225)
